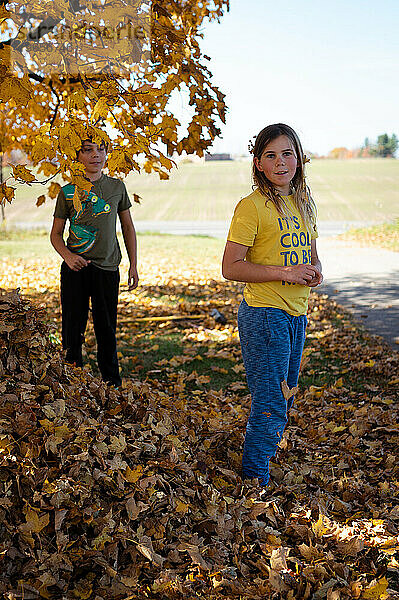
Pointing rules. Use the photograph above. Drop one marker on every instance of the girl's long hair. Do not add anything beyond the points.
(301, 193)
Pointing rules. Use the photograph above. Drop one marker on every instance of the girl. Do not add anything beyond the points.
(272, 248)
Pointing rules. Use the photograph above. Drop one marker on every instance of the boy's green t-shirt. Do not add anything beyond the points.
(92, 230)
(273, 240)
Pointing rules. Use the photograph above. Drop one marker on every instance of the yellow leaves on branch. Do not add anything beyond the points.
(100, 110)
(77, 101)
(19, 89)
(66, 93)
(167, 163)
(4, 13)
(77, 172)
(121, 160)
(20, 172)
(69, 141)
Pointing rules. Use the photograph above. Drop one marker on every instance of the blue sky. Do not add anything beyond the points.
(329, 69)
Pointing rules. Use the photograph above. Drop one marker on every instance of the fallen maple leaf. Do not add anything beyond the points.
(288, 392)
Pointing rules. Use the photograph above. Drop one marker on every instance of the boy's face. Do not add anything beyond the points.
(93, 159)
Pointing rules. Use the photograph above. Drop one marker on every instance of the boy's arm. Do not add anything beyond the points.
(74, 261)
(129, 237)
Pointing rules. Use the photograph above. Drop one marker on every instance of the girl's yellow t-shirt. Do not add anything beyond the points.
(273, 240)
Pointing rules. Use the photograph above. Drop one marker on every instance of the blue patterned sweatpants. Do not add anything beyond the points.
(271, 344)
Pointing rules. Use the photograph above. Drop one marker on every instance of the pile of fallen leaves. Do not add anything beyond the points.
(135, 493)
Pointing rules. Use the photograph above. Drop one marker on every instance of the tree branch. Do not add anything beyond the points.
(57, 105)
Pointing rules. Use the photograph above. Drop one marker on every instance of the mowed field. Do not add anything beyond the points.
(354, 190)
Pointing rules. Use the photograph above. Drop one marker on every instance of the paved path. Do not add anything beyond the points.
(365, 280)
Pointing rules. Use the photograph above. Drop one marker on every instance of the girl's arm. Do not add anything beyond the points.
(74, 261)
(318, 279)
(234, 267)
(129, 237)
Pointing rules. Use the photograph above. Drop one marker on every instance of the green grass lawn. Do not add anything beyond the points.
(352, 190)
(187, 250)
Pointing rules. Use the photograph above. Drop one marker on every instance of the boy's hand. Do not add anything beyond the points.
(76, 262)
(133, 278)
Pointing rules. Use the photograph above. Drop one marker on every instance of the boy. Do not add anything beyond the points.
(91, 260)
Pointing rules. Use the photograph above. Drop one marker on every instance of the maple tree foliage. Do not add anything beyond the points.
(57, 92)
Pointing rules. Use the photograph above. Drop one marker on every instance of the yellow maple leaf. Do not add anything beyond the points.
(34, 523)
(118, 444)
(119, 161)
(69, 141)
(4, 13)
(166, 162)
(76, 168)
(162, 174)
(147, 166)
(6, 193)
(41, 200)
(42, 148)
(133, 475)
(54, 189)
(76, 200)
(319, 528)
(18, 89)
(77, 100)
(101, 109)
(22, 173)
(181, 507)
(376, 590)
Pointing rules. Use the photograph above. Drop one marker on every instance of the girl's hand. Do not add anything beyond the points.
(317, 279)
(76, 262)
(302, 274)
(133, 278)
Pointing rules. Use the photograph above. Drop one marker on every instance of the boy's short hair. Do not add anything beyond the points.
(90, 140)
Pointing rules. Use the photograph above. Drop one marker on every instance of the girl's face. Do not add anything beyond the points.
(279, 163)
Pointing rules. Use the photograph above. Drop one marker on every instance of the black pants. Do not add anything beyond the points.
(76, 289)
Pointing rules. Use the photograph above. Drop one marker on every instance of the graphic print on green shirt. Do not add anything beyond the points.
(92, 230)
(84, 236)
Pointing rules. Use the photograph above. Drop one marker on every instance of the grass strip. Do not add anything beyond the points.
(385, 235)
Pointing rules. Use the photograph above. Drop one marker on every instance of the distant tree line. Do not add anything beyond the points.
(384, 147)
